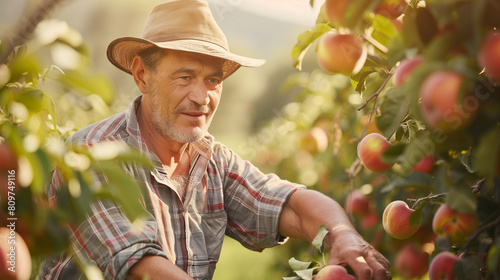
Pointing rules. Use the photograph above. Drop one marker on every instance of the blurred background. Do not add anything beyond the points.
(265, 29)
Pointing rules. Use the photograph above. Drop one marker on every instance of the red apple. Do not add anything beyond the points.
(392, 8)
(405, 69)
(8, 159)
(17, 258)
(314, 141)
(425, 165)
(441, 267)
(341, 53)
(334, 272)
(441, 106)
(370, 150)
(458, 226)
(396, 220)
(357, 203)
(335, 10)
(489, 56)
(411, 262)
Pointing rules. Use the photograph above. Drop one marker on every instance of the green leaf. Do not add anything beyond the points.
(487, 154)
(461, 199)
(493, 261)
(417, 180)
(411, 37)
(306, 274)
(441, 46)
(394, 108)
(319, 241)
(33, 100)
(41, 167)
(426, 25)
(354, 12)
(396, 49)
(298, 265)
(125, 190)
(89, 84)
(384, 29)
(468, 268)
(392, 153)
(468, 160)
(305, 40)
(442, 10)
(373, 82)
(418, 148)
(358, 80)
(416, 217)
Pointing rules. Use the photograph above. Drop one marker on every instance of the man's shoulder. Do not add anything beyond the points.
(110, 128)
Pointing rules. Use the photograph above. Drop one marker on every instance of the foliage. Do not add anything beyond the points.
(41, 104)
(448, 35)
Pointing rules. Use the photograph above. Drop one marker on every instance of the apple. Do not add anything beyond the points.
(8, 159)
(314, 141)
(425, 165)
(335, 10)
(405, 69)
(357, 203)
(396, 220)
(458, 226)
(411, 262)
(334, 272)
(341, 53)
(489, 56)
(20, 256)
(392, 8)
(370, 150)
(440, 93)
(441, 267)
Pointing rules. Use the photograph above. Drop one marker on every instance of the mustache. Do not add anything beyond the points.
(193, 107)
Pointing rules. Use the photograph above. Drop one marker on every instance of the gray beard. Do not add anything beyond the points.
(165, 126)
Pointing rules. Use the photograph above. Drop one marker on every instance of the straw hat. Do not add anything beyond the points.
(186, 25)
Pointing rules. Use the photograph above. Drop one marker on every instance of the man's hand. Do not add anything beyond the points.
(307, 210)
(349, 248)
(156, 267)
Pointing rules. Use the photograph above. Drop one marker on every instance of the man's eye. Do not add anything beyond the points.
(185, 78)
(214, 81)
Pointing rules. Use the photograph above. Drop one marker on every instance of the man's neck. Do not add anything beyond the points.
(171, 153)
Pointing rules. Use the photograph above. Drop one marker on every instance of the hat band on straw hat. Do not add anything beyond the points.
(184, 25)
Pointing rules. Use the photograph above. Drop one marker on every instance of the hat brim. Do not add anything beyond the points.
(122, 51)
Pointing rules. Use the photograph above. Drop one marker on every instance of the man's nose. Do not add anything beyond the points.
(200, 94)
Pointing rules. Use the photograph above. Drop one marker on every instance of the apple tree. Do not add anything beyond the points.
(426, 76)
(47, 90)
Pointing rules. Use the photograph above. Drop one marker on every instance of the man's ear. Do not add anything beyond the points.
(139, 73)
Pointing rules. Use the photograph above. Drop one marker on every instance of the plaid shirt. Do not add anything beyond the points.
(226, 195)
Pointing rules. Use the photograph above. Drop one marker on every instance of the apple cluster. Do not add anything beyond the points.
(434, 89)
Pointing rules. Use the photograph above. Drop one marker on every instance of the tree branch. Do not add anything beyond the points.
(429, 197)
(27, 27)
(375, 94)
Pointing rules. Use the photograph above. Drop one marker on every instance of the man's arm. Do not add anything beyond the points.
(307, 210)
(156, 267)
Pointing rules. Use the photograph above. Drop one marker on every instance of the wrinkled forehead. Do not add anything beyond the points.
(197, 61)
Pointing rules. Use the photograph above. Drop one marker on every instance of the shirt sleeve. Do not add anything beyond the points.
(253, 201)
(108, 239)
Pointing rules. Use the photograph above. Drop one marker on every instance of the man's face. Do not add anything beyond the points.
(183, 94)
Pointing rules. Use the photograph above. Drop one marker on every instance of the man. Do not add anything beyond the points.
(198, 190)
